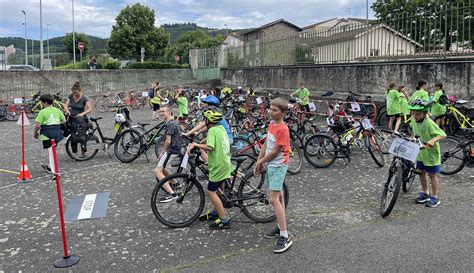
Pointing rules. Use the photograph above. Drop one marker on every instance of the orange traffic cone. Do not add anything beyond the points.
(24, 172)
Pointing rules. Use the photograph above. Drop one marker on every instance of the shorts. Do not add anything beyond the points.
(184, 118)
(165, 158)
(214, 186)
(428, 169)
(394, 115)
(47, 144)
(305, 108)
(156, 107)
(275, 176)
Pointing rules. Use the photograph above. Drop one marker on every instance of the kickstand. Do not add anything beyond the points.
(146, 155)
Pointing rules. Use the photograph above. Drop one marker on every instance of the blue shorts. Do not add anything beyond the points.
(428, 169)
(214, 186)
(275, 176)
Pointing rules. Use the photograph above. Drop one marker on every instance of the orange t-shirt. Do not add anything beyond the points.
(278, 134)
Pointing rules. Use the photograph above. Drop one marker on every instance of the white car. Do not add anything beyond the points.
(22, 67)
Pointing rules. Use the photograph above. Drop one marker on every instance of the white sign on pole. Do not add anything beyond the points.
(404, 149)
(355, 107)
(312, 107)
(27, 121)
(144, 94)
(17, 100)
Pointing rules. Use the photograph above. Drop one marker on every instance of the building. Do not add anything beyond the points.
(5, 52)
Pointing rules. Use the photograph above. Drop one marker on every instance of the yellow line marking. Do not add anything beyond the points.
(7, 171)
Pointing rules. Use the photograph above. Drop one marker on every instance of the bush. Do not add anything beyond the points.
(156, 65)
(111, 65)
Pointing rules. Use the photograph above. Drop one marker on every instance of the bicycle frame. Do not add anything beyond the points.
(458, 116)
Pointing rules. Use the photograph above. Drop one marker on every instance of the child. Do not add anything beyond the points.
(48, 124)
(393, 107)
(429, 158)
(421, 92)
(155, 100)
(170, 150)
(220, 168)
(182, 102)
(303, 94)
(438, 108)
(404, 98)
(275, 154)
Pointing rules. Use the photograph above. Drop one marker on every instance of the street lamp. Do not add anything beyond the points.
(73, 36)
(26, 40)
(47, 37)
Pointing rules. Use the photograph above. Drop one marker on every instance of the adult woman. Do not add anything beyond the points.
(77, 104)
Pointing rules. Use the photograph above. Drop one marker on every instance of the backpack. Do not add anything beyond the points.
(78, 126)
(151, 93)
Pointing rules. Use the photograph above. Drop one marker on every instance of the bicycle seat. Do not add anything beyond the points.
(95, 119)
(461, 102)
(143, 124)
(239, 159)
(327, 94)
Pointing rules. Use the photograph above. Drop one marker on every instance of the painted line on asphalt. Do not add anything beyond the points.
(7, 171)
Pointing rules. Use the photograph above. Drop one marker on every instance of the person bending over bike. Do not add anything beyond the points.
(303, 94)
(77, 104)
(170, 150)
(220, 168)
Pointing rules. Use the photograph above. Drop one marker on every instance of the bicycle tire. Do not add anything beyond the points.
(453, 153)
(375, 150)
(174, 207)
(135, 103)
(382, 119)
(392, 186)
(101, 105)
(75, 156)
(131, 147)
(295, 162)
(453, 126)
(330, 149)
(12, 116)
(408, 180)
(255, 187)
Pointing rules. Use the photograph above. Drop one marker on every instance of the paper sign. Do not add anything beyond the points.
(165, 101)
(89, 206)
(259, 100)
(26, 120)
(17, 100)
(312, 107)
(404, 149)
(184, 162)
(355, 107)
(356, 124)
(144, 94)
(329, 121)
(367, 124)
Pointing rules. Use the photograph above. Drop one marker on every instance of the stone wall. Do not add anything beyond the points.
(369, 79)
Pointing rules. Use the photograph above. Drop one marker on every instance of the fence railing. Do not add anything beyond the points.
(435, 32)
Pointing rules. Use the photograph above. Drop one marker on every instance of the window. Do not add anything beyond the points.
(257, 46)
(374, 52)
(247, 50)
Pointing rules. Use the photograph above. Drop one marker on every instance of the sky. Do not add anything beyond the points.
(96, 17)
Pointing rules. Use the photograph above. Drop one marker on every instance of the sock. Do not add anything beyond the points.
(214, 212)
(224, 220)
(284, 233)
(278, 227)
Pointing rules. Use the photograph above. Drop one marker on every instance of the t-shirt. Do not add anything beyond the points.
(437, 109)
(303, 94)
(79, 106)
(420, 94)
(172, 129)
(427, 130)
(224, 123)
(183, 106)
(49, 116)
(219, 164)
(404, 105)
(278, 134)
(393, 102)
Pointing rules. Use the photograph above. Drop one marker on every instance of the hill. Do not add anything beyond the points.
(55, 44)
(176, 30)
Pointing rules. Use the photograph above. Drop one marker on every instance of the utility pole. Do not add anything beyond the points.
(73, 36)
(367, 30)
(41, 36)
(26, 40)
(47, 37)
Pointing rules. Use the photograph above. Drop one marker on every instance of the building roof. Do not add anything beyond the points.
(273, 23)
(319, 23)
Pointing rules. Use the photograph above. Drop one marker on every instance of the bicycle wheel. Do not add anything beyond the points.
(128, 145)
(453, 127)
(320, 151)
(253, 196)
(295, 163)
(185, 209)
(12, 116)
(91, 148)
(374, 146)
(391, 190)
(382, 119)
(135, 103)
(408, 180)
(453, 156)
(102, 105)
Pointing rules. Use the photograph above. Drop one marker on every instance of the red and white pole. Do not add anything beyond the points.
(67, 260)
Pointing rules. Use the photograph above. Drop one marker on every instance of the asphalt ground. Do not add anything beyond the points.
(333, 218)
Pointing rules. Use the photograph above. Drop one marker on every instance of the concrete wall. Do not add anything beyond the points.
(25, 83)
(372, 79)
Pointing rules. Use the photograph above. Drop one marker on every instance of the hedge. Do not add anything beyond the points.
(156, 65)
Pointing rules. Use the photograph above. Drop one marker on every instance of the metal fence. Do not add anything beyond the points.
(431, 33)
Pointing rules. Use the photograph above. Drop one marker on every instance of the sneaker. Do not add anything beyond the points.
(272, 234)
(46, 168)
(422, 198)
(282, 244)
(168, 198)
(433, 202)
(218, 224)
(208, 216)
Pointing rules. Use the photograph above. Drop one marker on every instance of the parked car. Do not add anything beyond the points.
(22, 67)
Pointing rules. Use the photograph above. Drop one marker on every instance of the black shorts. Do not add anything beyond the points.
(47, 144)
(214, 186)
(306, 108)
(156, 107)
(394, 116)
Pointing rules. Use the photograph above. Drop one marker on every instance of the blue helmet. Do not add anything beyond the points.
(212, 100)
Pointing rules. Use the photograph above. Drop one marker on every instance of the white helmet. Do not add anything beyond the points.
(165, 101)
(120, 118)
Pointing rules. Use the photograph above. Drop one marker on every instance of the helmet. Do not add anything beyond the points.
(419, 105)
(120, 118)
(239, 88)
(212, 100)
(213, 116)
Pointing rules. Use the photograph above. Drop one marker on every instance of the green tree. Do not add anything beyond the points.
(134, 29)
(195, 39)
(80, 37)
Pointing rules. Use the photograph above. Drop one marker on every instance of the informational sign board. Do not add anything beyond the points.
(404, 149)
(89, 206)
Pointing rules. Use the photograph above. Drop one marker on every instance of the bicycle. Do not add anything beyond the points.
(251, 196)
(401, 173)
(457, 153)
(107, 101)
(454, 119)
(34, 105)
